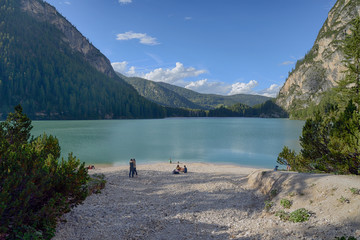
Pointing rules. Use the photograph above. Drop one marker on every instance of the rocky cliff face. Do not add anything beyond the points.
(322, 66)
(45, 12)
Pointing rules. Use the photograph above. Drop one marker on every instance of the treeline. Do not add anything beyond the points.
(42, 73)
(269, 109)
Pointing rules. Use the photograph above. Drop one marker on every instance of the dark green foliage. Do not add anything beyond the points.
(330, 140)
(40, 71)
(160, 94)
(35, 187)
(266, 109)
(299, 215)
(349, 87)
(287, 157)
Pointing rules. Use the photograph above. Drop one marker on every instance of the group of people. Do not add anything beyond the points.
(132, 167)
(179, 169)
(133, 171)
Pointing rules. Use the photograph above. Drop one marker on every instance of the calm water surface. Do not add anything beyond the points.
(243, 141)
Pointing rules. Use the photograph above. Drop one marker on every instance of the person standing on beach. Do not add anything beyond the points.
(135, 166)
(131, 172)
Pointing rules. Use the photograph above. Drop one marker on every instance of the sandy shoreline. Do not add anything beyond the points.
(213, 201)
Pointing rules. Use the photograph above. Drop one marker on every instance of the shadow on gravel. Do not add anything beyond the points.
(185, 206)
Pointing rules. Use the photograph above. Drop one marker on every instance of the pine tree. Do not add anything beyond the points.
(349, 87)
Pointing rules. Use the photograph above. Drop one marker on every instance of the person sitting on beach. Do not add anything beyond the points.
(91, 167)
(175, 171)
(178, 168)
(185, 169)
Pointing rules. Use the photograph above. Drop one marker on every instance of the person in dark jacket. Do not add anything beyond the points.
(131, 172)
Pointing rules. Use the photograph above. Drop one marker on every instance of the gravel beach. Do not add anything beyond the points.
(213, 202)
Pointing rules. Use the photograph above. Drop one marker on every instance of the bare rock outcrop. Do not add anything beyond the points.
(322, 66)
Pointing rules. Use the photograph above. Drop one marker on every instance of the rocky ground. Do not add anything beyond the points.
(213, 202)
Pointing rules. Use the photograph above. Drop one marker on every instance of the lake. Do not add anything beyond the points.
(242, 141)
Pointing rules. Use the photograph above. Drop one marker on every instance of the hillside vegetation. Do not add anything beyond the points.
(174, 96)
(51, 80)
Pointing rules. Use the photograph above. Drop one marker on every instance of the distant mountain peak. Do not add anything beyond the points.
(47, 13)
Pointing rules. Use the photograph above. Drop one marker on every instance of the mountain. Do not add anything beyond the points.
(52, 70)
(173, 96)
(322, 66)
(159, 94)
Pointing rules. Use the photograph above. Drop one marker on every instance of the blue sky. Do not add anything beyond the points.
(210, 46)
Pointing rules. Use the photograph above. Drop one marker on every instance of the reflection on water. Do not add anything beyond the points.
(243, 141)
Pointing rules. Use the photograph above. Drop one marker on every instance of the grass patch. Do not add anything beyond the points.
(355, 191)
(286, 203)
(343, 199)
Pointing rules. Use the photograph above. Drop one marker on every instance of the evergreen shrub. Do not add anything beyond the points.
(35, 186)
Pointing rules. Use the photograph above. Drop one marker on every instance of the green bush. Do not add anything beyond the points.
(299, 215)
(285, 203)
(35, 186)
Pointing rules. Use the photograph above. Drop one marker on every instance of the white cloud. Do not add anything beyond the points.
(142, 37)
(188, 18)
(67, 3)
(205, 86)
(272, 91)
(240, 87)
(125, 1)
(287, 63)
(131, 71)
(120, 66)
(174, 75)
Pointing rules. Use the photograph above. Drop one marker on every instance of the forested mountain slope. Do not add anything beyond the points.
(175, 96)
(48, 67)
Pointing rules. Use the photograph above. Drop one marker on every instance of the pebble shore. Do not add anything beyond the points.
(209, 202)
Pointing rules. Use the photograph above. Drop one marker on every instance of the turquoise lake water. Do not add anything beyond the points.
(242, 141)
